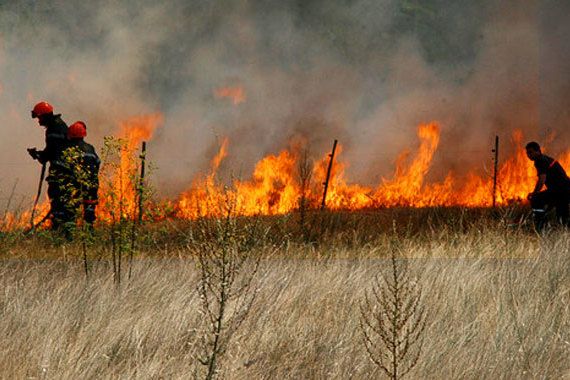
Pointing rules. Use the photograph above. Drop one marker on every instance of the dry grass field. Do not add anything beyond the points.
(497, 300)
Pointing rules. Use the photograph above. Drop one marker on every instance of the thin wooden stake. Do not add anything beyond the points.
(141, 181)
(496, 170)
(327, 180)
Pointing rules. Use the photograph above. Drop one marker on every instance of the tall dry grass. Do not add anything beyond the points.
(498, 306)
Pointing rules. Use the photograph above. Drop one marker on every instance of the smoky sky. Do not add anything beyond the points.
(366, 72)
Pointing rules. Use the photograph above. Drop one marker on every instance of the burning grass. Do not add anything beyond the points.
(278, 186)
(497, 300)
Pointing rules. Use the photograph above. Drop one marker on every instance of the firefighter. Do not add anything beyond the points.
(557, 194)
(56, 142)
(85, 170)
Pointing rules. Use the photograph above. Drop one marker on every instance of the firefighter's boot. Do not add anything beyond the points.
(539, 219)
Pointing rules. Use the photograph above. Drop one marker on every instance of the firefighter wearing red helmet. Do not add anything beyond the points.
(84, 173)
(56, 143)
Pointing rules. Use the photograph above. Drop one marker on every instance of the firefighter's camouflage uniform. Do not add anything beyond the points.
(56, 143)
(84, 178)
(73, 169)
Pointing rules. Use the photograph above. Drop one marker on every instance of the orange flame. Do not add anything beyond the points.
(273, 189)
(14, 220)
(275, 185)
(407, 185)
(118, 191)
(204, 197)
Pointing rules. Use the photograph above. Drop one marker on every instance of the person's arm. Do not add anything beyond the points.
(541, 164)
(43, 155)
(539, 183)
(54, 141)
(35, 154)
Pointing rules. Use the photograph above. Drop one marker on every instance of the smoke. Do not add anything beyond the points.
(554, 69)
(365, 72)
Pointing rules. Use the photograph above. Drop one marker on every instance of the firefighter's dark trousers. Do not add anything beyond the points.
(550, 198)
(61, 214)
(89, 212)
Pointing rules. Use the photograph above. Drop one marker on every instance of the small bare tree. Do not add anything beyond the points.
(227, 269)
(393, 320)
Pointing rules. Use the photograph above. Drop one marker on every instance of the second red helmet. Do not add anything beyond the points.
(77, 130)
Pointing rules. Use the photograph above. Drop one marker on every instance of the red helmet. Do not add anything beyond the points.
(42, 108)
(77, 130)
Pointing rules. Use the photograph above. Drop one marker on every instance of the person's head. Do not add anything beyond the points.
(77, 131)
(43, 111)
(533, 150)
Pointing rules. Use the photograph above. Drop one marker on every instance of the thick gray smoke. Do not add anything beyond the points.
(363, 71)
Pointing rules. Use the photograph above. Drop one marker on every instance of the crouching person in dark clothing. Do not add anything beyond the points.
(557, 194)
(84, 163)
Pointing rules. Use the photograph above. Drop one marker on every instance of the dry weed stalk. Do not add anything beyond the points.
(3, 221)
(227, 270)
(393, 320)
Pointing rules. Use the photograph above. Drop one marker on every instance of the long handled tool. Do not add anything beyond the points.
(42, 221)
(42, 176)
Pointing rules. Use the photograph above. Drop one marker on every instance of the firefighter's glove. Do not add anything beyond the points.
(34, 153)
